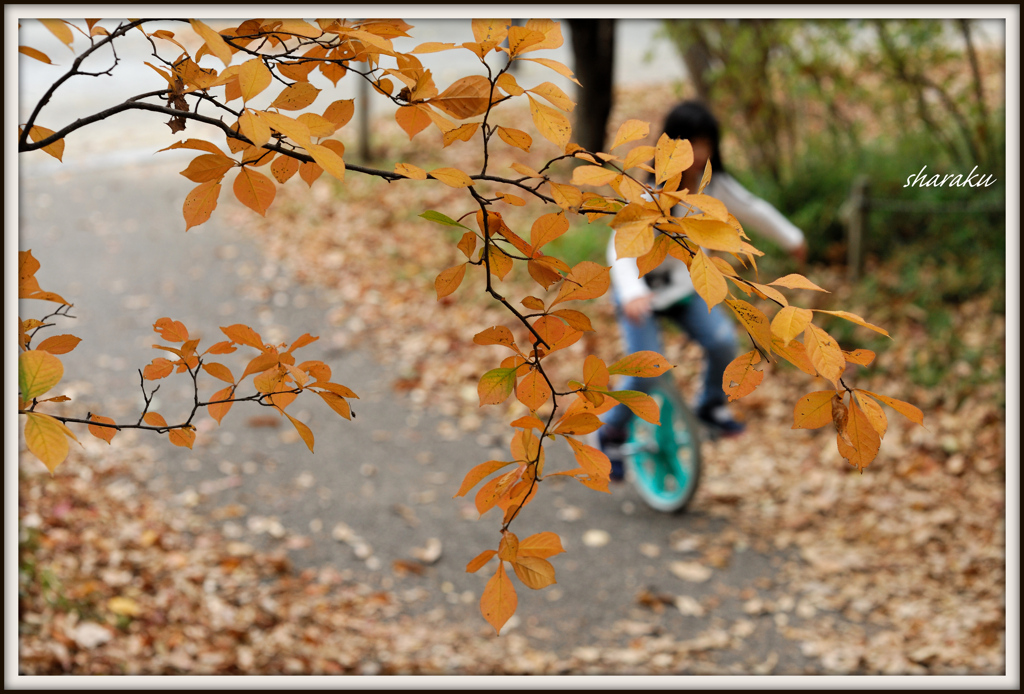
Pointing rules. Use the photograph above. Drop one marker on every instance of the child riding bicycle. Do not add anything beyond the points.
(667, 292)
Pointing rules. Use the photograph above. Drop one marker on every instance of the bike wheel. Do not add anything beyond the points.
(664, 461)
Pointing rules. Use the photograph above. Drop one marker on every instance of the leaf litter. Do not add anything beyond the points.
(900, 570)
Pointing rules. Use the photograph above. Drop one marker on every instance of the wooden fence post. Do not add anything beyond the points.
(856, 228)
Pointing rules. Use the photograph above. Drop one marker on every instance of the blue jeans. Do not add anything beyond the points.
(713, 331)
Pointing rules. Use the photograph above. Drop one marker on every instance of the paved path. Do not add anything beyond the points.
(378, 489)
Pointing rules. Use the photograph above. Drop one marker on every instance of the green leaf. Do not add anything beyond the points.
(435, 216)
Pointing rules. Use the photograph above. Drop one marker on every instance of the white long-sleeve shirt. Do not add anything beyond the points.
(673, 277)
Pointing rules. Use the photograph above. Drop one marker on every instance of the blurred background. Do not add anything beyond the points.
(788, 563)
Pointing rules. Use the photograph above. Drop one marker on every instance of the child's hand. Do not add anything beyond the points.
(638, 309)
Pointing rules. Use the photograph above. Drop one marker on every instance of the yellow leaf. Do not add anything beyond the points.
(711, 234)
(464, 132)
(490, 30)
(594, 462)
(478, 473)
(824, 353)
(554, 96)
(592, 176)
(854, 318)
(754, 321)
(452, 177)
(59, 28)
(671, 157)
(628, 132)
(340, 112)
(710, 206)
(411, 171)
(318, 125)
(336, 403)
(327, 158)
(254, 190)
(740, 377)
(556, 66)
(498, 602)
(766, 292)
(813, 410)
(508, 546)
(797, 282)
(296, 96)
(47, 439)
(284, 168)
(525, 170)
(123, 606)
(708, 280)
(38, 372)
(304, 431)
(640, 404)
(214, 41)
(54, 149)
(521, 40)
(547, 228)
(543, 545)
(508, 83)
(254, 128)
(634, 233)
(568, 197)
(587, 280)
(496, 385)
(864, 357)
(33, 53)
(551, 124)
(645, 364)
(289, 127)
(637, 156)
(516, 138)
(534, 572)
(253, 78)
(465, 98)
(864, 440)
(480, 561)
(873, 411)
(653, 258)
(512, 199)
(790, 322)
(904, 408)
(432, 47)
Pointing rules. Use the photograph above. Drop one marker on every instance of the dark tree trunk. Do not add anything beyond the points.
(593, 47)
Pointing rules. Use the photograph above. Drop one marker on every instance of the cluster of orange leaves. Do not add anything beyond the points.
(643, 216)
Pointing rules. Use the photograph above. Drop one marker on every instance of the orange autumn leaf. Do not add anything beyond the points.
(59, 344)
(864, 441)
(218, 408)
(813, 410)
(105, 433)
(200, 204)
(534, 572)
(452, 177)
(740, 377)
(824, 353)
(498, 602)
(254, 190)
(550, 123)
(47, 439)
(183, 437)
(449, 280)
(533, 390)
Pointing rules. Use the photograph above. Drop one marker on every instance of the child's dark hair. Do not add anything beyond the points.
(691, 120)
